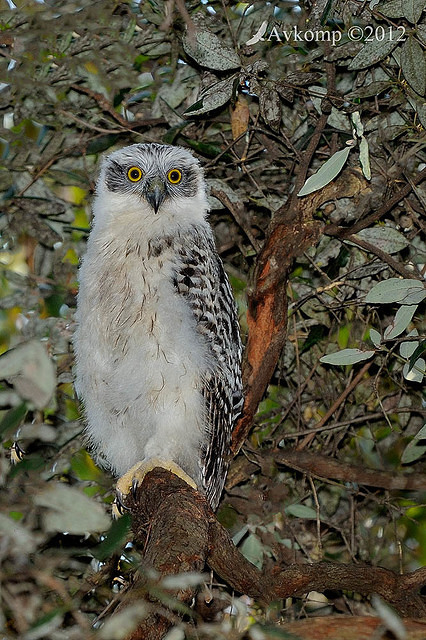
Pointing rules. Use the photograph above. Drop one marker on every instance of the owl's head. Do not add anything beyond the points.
(159, 183)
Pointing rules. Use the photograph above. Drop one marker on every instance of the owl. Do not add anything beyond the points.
(157, 343)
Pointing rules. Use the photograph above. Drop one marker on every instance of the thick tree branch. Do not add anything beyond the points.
(176, 532)
(288, 238)
(337, 627)
(292, 231)
(171, 530)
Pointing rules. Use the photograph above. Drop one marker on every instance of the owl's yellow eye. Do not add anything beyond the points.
(174, 176)
(134, 174)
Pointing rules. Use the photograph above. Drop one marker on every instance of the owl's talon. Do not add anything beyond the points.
(132, 479)
(135, 485)
(118, 507)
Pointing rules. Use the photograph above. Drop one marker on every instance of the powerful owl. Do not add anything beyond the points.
(157, 344)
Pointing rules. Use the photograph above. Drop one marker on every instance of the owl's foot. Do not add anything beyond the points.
(128, 483)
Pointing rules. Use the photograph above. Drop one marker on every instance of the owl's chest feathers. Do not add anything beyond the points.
(143, 314)
(143, 294)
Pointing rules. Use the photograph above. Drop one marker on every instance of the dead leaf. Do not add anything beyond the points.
(240, 117)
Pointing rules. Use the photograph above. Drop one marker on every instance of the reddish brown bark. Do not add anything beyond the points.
(292, 231)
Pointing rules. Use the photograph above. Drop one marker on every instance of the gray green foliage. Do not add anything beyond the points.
(234, 83)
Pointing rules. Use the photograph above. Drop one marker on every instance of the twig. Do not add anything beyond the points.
(305, 162)
(346, 423)
(325, 467)
(336, 404)
(371, 248)
(288, 236)
(47, 166)
(185, 535)
(106, 106)
(237, 210)
(88, 125)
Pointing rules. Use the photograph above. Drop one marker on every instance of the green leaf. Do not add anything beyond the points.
(416, 372)
(215, 96)
(209, 51)
(421, 33)
(97, 145)
(68, 510)
(84, 467)
(406, 349)
(270, 107)
(12, 419)
(343, 336)
(114, 538)
(326, 173)
(347, 356)
(31, 371)
(47, 624)
(413, 65)
(403, 291)
(123, 623)
(372, 89)
(31, 462)
(384, 238)
(315, 335)
(301, 511)
(418, 105)
(418, 351)
(364, 158)
(401, 321)
(414, 450)
(392, 9)
(414, 369)
(206, 149)
(375, 337)
(413, 10)
(16, 537)
(373, 51)
(236, 539)
(252, 549)
(356, 120)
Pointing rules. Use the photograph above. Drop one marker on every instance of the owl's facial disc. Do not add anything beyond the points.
(159, 176)
(155, 193)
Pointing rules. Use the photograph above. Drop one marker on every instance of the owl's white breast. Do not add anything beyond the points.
(139, 358)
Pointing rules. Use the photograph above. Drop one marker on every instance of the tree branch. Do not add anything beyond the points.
(292, 231)
(176, 531)
(371, 248)
(388, 205)
(288, 237)
(326, 467)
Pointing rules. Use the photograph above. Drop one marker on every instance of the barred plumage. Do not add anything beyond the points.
(158, 351)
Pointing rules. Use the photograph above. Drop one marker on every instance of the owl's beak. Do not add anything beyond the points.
(155, 193)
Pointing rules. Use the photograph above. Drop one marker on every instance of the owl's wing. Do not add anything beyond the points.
(202, 281)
